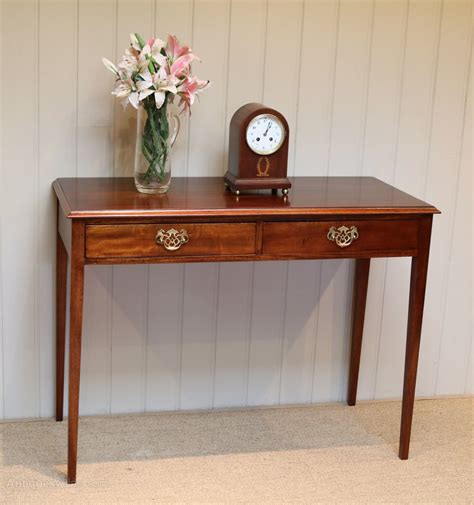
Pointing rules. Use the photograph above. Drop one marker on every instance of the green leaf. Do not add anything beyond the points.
(141, 42)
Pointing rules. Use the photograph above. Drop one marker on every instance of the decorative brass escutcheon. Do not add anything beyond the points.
(343, 236)
(172, 239)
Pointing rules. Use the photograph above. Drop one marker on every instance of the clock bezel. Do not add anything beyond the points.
(282, 139)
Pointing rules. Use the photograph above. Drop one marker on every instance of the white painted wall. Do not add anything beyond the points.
(369, 88)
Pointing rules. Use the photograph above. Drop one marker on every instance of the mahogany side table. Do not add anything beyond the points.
(106, 221)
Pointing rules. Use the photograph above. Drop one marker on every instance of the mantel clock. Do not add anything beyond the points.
(258, 150)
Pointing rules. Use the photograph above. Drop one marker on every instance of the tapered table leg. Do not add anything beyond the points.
(61, 288)
(419, 270)
(75, 334)
(361, 281)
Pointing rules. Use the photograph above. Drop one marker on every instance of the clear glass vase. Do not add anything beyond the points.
(157, 130)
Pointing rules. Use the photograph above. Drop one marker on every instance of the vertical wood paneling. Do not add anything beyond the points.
(380, 139)
(332, 332)
(374, 88)
(441, 185)
(389, 373)
(468, 390)
(350, 86)
(97, 24)
(207, 125)
(57, 149)
(316, 87)
(96, 35)
(2, 389)
(418, 79)
(19, 210)
(128, 339)
(199, 334)
(456, 339)
(246, 50)
(301, 312)
(466, 161)
(165, 310)
(384, 87)
(411, 160)
(232, 344)
(266, 336)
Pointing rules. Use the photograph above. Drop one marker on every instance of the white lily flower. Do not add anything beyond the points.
(110, 66)
(122, 90)
(127, 90)
(133, 62)
(134, 99)
(157, 84)
(145, 87)
(152, 50)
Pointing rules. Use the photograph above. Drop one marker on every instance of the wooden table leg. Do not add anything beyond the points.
(419, 270)
(75, 333)
(361, 282)
(61, 288)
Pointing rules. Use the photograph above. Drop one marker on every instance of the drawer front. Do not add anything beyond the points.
(165, 240)
(339, 238)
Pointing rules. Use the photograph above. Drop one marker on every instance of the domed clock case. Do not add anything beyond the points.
(252, 167)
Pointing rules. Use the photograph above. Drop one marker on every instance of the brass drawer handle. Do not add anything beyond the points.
(172, 239)
(343, 236)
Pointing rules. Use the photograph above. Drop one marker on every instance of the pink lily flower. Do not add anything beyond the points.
(189, 88)
(179, 57)
(174, 49)
(180, 67)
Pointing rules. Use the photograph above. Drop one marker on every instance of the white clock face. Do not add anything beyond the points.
(265, 134)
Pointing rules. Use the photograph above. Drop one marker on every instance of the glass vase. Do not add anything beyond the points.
(157, 130)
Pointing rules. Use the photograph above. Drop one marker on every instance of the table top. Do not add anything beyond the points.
(207, 196)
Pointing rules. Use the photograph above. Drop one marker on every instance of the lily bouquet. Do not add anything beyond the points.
(152, 75)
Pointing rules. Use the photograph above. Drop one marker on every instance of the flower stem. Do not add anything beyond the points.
(155, 140)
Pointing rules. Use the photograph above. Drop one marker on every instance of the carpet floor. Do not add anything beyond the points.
(331, 454)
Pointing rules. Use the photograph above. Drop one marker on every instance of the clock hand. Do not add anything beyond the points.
(268, 127)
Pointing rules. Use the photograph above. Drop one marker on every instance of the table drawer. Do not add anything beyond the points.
(164, 240)
(339, 238)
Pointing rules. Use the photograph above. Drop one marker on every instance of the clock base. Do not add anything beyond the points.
(243, 184)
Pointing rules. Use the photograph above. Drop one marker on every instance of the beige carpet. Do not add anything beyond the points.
(324, 454)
